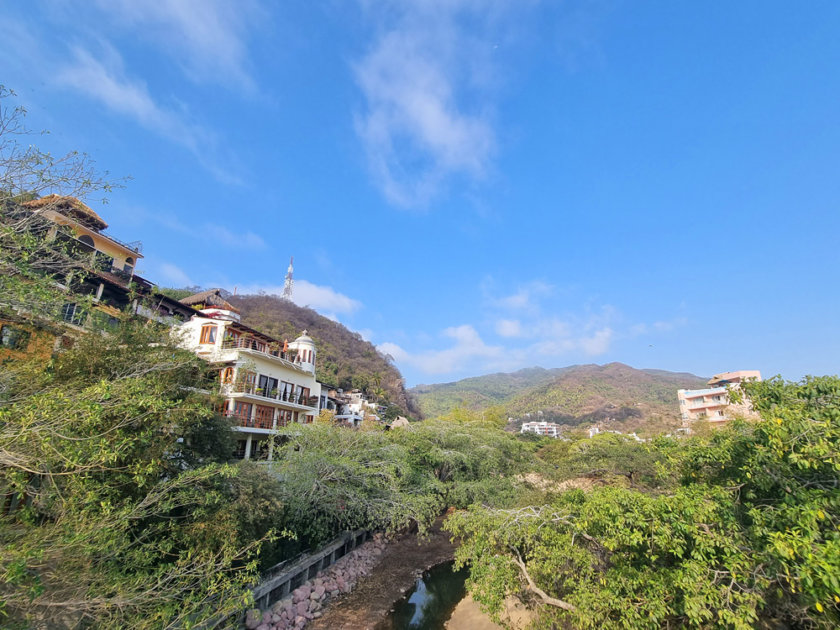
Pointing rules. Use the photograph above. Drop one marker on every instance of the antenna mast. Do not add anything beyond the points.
(287, 287)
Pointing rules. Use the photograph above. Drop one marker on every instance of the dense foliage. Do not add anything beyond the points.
(120, 508)
(336, 479)
(744, 535)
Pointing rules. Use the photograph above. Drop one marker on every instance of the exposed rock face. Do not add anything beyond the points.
(307, 601)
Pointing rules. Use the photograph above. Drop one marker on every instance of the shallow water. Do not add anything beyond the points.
(430, 604)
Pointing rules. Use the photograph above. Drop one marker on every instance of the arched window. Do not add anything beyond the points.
(87, 240)
(128, 267)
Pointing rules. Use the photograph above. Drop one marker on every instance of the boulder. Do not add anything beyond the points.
(253, 618)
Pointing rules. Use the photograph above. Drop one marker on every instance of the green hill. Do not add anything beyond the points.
(614, 394)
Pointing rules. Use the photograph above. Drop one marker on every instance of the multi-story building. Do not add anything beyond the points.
(111, 282)
(266, 383)
(551, 429)
(108, 287)
(713, 403)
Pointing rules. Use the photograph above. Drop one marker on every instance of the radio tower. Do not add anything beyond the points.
(287, 287)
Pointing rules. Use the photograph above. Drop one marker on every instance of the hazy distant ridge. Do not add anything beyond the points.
(571, 394)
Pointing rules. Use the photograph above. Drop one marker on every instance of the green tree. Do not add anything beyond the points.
(748, 538)
(120, 510)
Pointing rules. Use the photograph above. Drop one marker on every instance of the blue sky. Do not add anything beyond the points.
(474, 186)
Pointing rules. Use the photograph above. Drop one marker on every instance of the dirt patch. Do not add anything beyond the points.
(374, 595)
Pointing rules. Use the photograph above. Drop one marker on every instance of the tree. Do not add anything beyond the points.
(120, 507)
(748, 538)
(30, 263)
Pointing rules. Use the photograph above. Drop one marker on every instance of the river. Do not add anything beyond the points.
(438, 600)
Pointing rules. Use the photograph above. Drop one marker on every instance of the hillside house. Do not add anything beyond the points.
(550, 429)
(266, 383)
(713, 404)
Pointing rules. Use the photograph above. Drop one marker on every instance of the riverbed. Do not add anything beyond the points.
(404, 561)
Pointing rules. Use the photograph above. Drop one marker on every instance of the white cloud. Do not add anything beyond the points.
(246, 240)
(416, 130)
(323, 299)
(525, 298)
(173, 275)
(106, 81)
(468, 346)
(509, 328)
(208, 38)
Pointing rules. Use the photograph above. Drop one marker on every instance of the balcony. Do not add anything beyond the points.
(251, 346)
(291, 400)
(248, 423)
(699, 404)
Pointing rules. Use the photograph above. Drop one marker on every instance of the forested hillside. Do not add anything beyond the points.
(582, 393)
(344, 359)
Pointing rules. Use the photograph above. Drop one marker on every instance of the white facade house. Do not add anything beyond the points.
(266, 383)
(551, 429)
(713, 403)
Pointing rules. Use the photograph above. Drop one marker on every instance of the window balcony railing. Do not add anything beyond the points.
(248, 422)
(254, 346)
(274, 394)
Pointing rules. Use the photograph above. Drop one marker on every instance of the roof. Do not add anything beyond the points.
(211, 297)
(69, 207)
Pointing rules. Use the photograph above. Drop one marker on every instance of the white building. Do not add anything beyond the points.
(266, 383)
(712, 403)
(550, 429)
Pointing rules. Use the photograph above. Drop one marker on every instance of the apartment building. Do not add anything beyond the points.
(266, 383)
(551, 429)
(112, 282)
(713, 404)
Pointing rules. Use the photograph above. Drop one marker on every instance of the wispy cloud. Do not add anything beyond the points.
(223, 236)
(322, 298)
(207, 38)
(106, 81)
(527, 297)
(172, 275)
(467, 346)
(417, 128)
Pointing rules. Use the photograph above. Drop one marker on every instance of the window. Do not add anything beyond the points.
(208, 334)
(13, 338)
(268, 386)
(227, 376)
(265, 417)
(103, 262)
(73, 313)
(128, 267)
(243, 411)
(87, 240)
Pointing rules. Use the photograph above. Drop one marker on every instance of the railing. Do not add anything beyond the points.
(273, 394)
(251, 344)
(248, 422)
(135, 246)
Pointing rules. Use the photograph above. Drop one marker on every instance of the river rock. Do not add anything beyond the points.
(253, 618)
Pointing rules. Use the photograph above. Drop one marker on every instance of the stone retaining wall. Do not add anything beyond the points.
(299, 595)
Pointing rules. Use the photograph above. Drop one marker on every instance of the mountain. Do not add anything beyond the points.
(614, 394)
(344, 359)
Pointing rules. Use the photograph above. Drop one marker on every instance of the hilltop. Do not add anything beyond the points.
(614, 394)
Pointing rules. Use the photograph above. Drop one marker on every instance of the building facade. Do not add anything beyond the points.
(550, 429)
(713, 404)
(265, 383)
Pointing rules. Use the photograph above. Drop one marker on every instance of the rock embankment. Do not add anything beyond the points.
(308, 600)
